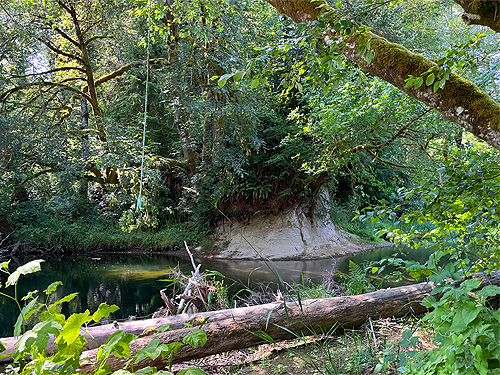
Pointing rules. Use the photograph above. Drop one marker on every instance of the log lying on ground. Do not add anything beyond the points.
(236, 328)
(249, 326)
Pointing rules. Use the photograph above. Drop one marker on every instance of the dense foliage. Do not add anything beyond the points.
(246, 111)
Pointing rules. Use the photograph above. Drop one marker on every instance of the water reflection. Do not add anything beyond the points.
(133, 282)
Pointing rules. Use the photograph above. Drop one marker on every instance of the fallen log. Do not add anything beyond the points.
(250, 326)
(239, 328)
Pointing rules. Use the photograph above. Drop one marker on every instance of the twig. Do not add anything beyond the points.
(192, 280)
(5, 239)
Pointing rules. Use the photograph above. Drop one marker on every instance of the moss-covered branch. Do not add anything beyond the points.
(460, 101)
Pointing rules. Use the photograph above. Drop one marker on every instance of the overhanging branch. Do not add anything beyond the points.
(460, 101)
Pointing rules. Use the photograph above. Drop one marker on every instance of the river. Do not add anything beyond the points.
(132, 282)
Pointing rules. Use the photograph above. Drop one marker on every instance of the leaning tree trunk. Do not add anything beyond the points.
(460, 100)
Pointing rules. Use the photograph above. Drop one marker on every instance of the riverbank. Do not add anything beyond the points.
(292, 234)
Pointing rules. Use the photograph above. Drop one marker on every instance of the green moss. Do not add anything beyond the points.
(398, 62)
(398, 58)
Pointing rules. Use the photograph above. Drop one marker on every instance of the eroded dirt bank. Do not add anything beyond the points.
(288, 235)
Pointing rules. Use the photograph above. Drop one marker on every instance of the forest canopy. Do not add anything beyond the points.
(246, 110)
(148, 123)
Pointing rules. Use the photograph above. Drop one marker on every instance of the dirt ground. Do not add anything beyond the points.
(353, 352)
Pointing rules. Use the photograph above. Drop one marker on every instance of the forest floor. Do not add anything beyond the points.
(353, 352)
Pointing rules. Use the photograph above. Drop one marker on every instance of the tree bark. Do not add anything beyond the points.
(248, 326)
(480, 12)
(243, 327)
(460, 101)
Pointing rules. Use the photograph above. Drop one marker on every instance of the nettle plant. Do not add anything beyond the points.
(31, 357)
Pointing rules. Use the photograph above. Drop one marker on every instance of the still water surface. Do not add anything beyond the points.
(133, 282)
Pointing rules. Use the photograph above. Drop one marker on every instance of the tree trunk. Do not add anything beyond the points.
(460, 100)
(247, 326)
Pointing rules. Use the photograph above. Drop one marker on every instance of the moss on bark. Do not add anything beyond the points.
(460, 100)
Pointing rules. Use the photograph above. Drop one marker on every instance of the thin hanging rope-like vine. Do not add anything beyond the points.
(148, 41)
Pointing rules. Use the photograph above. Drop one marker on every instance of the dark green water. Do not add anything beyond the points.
(133, 282)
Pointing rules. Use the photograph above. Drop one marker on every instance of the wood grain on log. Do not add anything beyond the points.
(239, 328)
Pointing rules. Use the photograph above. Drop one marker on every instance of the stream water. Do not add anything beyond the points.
(133, 282)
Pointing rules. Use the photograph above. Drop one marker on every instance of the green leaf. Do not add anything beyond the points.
(164, 328)
(53, 308)
(4, 266)
(195, 338)
(118, 344)
(418, 82)
(23, 316)
(30, 267)
(471, 284)
(464, 314)
(192, 371)
(436, 86)
(238, 75)
(29, 295)
(369, 57)
(255, 83)
(222, 82)
(71, 329)
(489, 291)
(430, 79)
(103, 311)
(224, 78)
(3, 347)
(39, 335)
(52, 287)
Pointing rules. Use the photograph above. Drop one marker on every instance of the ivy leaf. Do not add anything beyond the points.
(195, 338)
(30, 267)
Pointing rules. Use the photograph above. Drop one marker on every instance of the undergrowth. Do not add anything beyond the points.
(41, 227)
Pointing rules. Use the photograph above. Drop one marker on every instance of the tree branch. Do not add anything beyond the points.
(480, 12)
(460, 101)
(51, 71)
